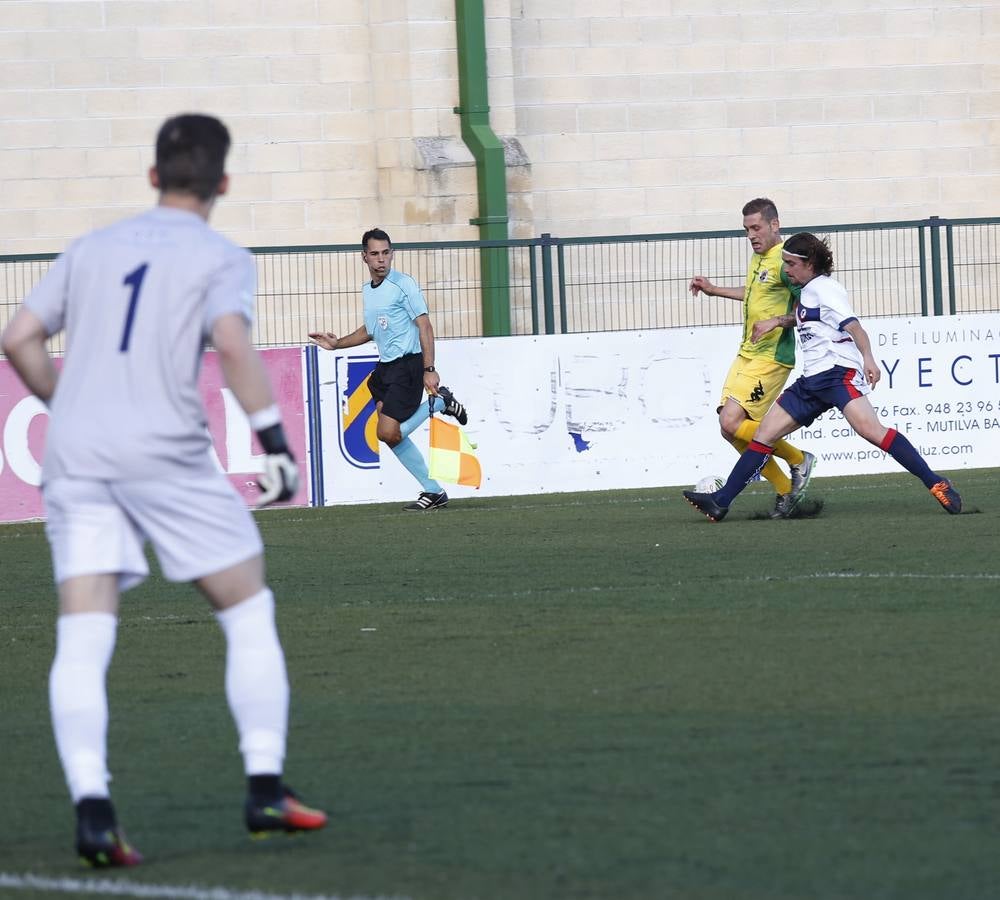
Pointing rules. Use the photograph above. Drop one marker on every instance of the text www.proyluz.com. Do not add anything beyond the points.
(875, 453)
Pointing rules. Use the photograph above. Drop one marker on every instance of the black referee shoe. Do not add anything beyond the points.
(452, 407)
(426, 501)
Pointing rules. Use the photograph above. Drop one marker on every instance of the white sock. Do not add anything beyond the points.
(78, 699)
(256, 682)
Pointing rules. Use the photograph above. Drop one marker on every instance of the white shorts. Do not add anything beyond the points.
(197, 527)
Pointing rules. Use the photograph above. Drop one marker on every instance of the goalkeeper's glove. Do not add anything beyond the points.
(280, 478)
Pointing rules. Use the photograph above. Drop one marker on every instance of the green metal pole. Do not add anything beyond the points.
(550, 315)
(491, 170)
(935, 224)
(950, 244)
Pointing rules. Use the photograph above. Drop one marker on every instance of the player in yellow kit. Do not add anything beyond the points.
(761, 367)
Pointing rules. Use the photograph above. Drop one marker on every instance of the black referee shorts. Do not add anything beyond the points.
(399, 385)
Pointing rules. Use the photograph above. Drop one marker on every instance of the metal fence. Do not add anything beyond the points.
(561, 285)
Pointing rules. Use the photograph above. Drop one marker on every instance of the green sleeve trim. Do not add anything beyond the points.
(784, 352)
(794, 289)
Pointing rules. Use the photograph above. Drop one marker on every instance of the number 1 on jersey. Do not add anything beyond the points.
(133, 280)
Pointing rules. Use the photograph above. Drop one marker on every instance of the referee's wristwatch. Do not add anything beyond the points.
(429, 369)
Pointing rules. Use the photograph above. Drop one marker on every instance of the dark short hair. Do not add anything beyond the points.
(191, 154)
(812, 249)
(761, 205)
(374, 234)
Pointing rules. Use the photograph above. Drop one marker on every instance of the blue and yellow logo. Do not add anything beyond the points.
(358, 441)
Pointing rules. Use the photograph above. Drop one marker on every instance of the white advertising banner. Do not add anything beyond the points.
(638, 409)
(940, 387)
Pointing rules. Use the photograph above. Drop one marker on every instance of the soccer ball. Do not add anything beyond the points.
(709, 484)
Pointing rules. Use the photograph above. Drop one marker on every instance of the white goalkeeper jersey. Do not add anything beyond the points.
(138, 300)
(822, 312)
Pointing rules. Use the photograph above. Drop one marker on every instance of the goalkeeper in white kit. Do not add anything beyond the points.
(128, 459)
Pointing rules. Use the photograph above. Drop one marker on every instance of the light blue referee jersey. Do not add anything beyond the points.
(138, 300)
(390, 311)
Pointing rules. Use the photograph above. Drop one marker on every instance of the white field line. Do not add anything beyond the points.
(929, 576)
(107, 887)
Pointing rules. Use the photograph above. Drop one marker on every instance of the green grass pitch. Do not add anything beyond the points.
(596, 695)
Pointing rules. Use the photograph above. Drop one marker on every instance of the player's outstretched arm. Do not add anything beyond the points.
(247, 378)
(701, 285)
(23, 343)
(329, 341)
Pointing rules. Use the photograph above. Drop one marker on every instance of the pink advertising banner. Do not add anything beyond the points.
(24, 422)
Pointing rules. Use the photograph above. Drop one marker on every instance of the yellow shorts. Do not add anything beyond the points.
(754, 384)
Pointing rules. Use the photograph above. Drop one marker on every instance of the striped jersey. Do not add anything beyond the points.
(138, 300)
(768, 292)
(390, 311)
(821, 315)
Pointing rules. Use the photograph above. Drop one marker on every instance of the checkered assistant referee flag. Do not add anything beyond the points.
(452, 455)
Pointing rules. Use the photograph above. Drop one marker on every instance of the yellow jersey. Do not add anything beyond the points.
(768, 293)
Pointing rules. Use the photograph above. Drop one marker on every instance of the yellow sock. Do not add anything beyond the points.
(782, 449)
(781, 483)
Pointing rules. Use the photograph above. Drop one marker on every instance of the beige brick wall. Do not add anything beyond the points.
(637, 115)
(859, 110)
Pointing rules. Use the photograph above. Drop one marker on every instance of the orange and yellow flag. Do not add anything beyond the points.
(452, 456)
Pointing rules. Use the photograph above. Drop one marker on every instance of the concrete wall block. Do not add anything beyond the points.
(895, 107)
(665, 32)
(612, 88)
(331, 40)
(334, 218)
(349, 184)
(346, 126)
(75, 14)
(624, 32)
(706, 114)
(546, 120)
(285, 129)
(286, 13)
(969, 188)
(602, 61)
(135, 73)
(300, 69)
(278, 216)
(298, 185)
(660, 88)
(432, 36)
(750, 113)
(897, 163)
(342, 12)
(26, 75)
(545, 61)
(333, 156)
(984, 105)
(944, 106)
(847, 109)
(595, 9)
(282, 157)
(565, 148)
(345, 67)
(618, 145)
(717, 29)
(115, 161)
(981, 160)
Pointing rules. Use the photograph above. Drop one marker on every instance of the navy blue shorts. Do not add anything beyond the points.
(399, 386)
(808, 398)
